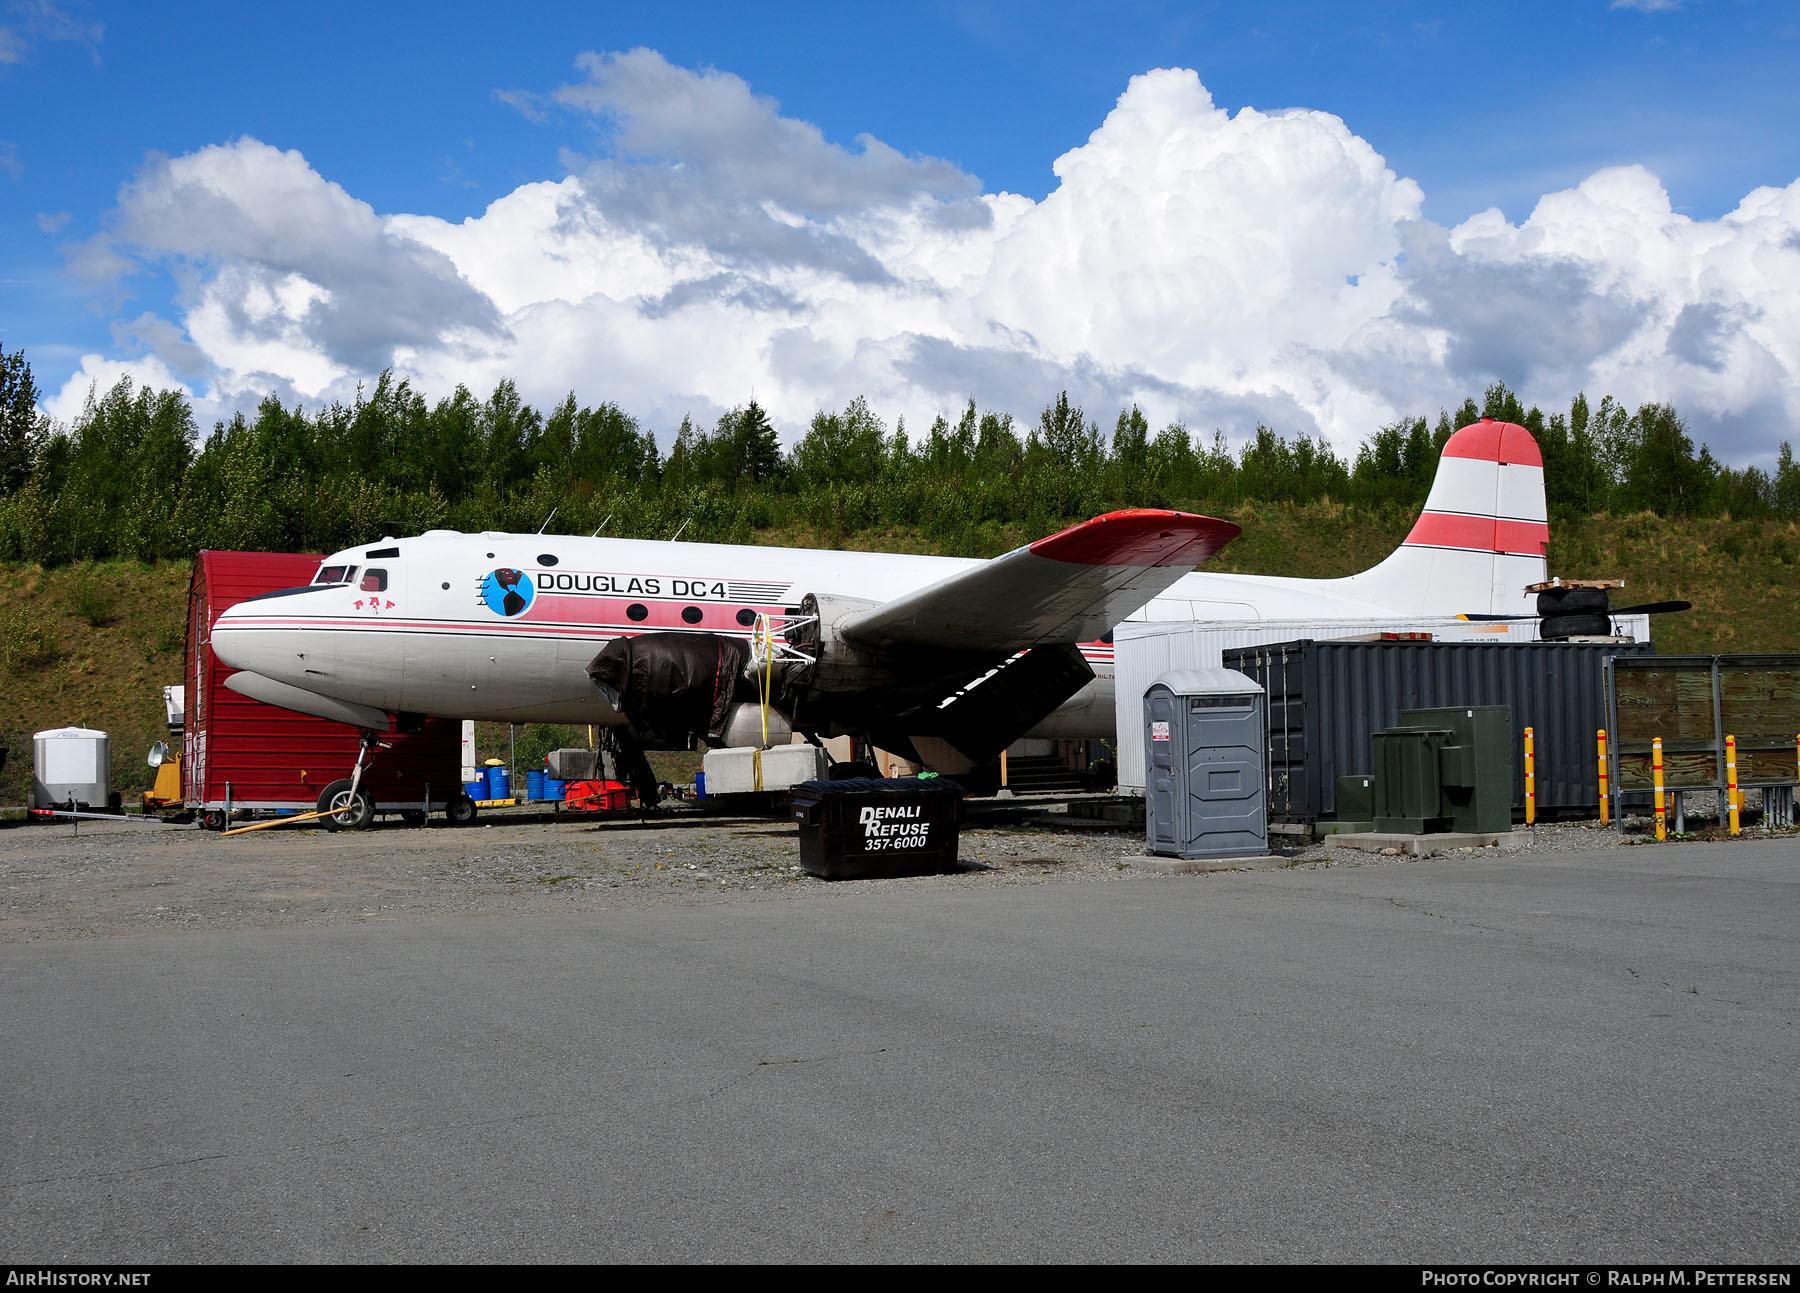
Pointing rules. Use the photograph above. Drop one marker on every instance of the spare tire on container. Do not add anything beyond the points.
(1571, 626)
(1573, 601)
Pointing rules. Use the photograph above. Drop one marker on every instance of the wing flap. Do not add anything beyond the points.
(1070, 587)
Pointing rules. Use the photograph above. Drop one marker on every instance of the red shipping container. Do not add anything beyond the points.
(273, 758)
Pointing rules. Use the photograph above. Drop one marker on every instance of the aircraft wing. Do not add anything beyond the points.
(1071, 587)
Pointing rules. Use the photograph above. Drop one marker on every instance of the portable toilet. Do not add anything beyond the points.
(1204, 736)
(71, 765)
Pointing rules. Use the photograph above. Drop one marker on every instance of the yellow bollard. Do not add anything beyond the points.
(1656, 774)
(1731, 786)
(1605, 805)
(1530, 780)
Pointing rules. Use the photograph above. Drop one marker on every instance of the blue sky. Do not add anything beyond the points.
(437, 111)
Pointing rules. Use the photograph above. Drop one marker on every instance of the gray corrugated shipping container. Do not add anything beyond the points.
(1326, 699)
(1144, 650)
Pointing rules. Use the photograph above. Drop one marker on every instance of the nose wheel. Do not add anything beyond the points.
(346, 804)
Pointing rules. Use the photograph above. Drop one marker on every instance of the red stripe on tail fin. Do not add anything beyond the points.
(1480, 533)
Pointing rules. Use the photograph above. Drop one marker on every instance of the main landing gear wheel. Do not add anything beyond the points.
(350, 810)
(460, 811)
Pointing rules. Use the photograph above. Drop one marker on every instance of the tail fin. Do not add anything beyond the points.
(1482, 536)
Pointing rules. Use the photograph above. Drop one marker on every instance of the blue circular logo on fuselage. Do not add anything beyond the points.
(507, 592)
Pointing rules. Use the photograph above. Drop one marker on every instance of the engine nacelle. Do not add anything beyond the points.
(744, 726)
(838, 665)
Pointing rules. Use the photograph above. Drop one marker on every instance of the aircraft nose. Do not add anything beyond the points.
(234, 643)
(261, 634)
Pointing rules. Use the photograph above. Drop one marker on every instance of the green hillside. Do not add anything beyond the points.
(93, 644)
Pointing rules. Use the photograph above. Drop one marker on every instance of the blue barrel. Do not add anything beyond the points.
(555, 789)
(477, 789)
(499, 783)
(699, 785)
(534, 785)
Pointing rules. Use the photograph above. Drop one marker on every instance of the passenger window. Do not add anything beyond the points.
(637, 612)
(374, 580)
(746, 617)
(691, 614)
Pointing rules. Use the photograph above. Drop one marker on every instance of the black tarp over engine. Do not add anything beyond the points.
(671, 687)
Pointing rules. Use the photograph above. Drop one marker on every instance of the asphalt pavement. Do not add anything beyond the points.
(1585, 1057)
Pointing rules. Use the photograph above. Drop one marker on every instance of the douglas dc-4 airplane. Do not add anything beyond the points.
(946, 658)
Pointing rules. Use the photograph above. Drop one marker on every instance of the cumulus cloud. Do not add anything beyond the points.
(286, 272)
(1217, 268)
(97, 375)
(696, 160)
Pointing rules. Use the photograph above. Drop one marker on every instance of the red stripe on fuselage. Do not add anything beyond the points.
(1094, 651)
(715, 617)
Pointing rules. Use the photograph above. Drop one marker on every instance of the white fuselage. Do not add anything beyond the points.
(503, 626)
(425, 625)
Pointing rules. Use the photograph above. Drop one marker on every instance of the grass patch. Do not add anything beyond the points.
(92, 599)
(28, 646)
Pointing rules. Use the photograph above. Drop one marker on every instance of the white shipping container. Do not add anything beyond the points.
(1144, 650)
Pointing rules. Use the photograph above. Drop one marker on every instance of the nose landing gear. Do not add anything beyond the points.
(346, 804)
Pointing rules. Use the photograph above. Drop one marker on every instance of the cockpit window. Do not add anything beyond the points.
(374, 580)
(335, 575)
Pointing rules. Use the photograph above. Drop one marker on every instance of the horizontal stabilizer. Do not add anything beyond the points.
(1070, 587)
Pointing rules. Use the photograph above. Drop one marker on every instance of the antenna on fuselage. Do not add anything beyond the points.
(679, 529)
(600, 527)
(548, 519)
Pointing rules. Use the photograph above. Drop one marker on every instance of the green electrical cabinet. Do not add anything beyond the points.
(1409, 781)
(1473, 765)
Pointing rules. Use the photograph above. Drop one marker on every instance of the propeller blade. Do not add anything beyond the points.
(1642, 608)
(1652, 608)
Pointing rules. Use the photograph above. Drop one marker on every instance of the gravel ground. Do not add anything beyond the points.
(108, 879)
